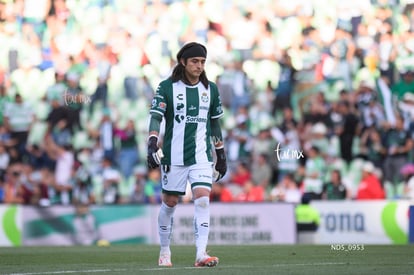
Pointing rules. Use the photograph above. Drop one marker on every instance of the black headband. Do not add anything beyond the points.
(192, 49)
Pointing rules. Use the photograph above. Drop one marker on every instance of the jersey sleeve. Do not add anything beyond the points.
(216, 109)
(159, 101)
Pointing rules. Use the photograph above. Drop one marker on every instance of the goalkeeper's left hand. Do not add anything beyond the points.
(221, 164)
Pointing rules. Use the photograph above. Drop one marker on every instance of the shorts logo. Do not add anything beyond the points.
(164, 180)
(204, 97)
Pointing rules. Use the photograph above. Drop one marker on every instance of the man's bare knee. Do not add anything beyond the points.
(201, 192)
(170, 200)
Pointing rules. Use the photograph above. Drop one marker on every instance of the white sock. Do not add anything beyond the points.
(201, 224)
(165, 223)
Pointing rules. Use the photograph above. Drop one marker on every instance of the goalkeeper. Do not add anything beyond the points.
(191, 107)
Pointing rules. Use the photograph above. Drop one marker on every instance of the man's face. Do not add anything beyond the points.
(194, 67)
(18, 99)
(409, 77)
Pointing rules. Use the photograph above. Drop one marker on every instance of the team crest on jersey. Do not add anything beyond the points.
(153, 103)
(204, 97)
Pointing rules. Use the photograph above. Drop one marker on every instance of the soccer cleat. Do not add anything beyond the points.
(165, 260)
(206, 261)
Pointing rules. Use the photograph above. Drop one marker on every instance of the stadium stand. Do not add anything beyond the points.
(337, 76)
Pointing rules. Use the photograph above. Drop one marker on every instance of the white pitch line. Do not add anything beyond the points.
(238, 266)
(69, 271)
(169, 268)
(166, 268)
(310, 264)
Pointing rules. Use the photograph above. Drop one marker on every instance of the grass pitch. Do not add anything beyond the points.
(249, 259)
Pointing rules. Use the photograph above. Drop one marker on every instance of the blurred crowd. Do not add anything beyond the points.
(318, 97)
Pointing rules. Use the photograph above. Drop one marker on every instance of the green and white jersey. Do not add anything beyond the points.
(187, 111)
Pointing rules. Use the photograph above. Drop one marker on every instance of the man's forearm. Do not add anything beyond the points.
(155, 124)
(216, 134)
(154, 153)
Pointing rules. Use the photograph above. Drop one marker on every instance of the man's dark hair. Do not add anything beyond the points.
(179, 70)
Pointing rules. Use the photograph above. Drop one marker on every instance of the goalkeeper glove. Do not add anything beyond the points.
(154, 154)
(220, 168)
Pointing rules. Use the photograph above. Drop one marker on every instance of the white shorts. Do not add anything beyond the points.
(175, 181)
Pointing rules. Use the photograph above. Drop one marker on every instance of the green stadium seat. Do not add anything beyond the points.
(97, 188)
(389, 190)
(126, 187)
(355, 172)
(400, 190)
(81, 139)
(394, 191)
(41, 109)
(37, 133)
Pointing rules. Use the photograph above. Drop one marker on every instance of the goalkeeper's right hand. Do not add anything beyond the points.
(154, 154)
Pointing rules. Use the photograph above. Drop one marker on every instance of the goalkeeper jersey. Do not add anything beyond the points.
(187, 111)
